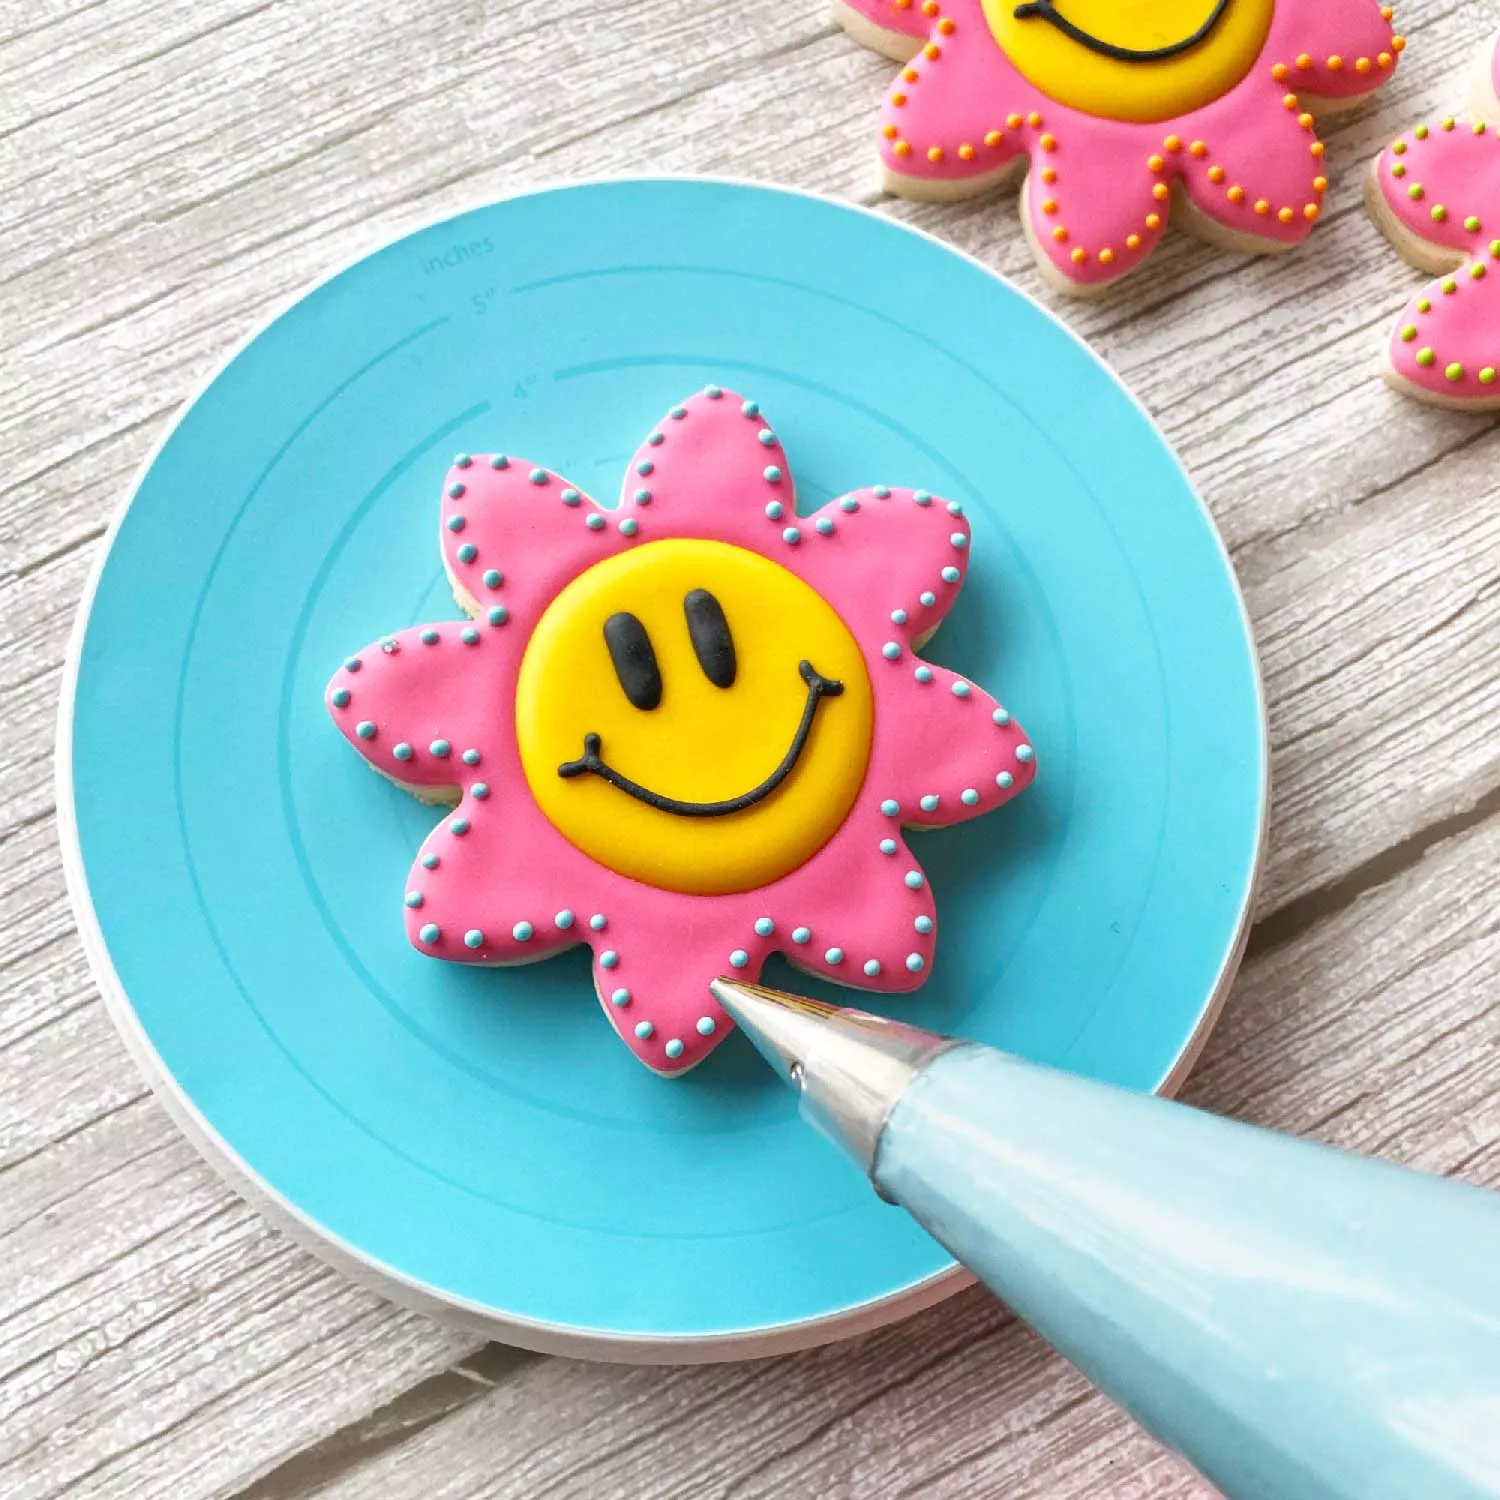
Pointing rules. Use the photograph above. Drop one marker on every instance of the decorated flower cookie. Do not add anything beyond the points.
(1119, 111)
(1435, 191)
(691, 732)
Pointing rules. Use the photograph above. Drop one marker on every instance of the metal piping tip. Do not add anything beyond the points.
(850, 1067)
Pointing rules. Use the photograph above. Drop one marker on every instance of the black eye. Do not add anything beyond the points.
(712, 642)
(634, 660)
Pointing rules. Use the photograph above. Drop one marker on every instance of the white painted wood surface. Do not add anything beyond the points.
(170, 172)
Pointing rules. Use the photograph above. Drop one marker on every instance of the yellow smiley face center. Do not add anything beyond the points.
(694, 716)
(1141, 60)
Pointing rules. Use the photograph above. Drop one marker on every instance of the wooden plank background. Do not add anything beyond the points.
(171, 171)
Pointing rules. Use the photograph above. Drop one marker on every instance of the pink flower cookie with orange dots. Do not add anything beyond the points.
(1435, 192)
(690, 731)
(1121, 112)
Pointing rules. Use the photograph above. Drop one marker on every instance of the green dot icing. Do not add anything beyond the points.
(1424, 306)
(1409, 333)
(1487, 375)
(1426, 357)
(1472, 224)
(1454, 371)
(1416, 191)
(1439, 213)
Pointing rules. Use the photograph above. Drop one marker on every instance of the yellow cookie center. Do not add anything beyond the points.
(1132, 59)
(694, 716)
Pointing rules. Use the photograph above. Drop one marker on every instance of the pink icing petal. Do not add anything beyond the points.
(961, 113)
(1441, 185)
(1261, 172)
(719, 472)
(513, 537)
(885, 556)
(1331, 49)
(440, 686)
(961, 753)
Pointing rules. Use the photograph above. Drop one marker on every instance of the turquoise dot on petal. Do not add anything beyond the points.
(459, 826)
(403, 751)
(751, 408)
(922, 497)
(775, 510)
(950, 575)
(468, 552)
(766, 436)
(927, 599)
(629, 526)
(888, 846)
(441, 748)
(473, 938)
(480, 789)
(707, 1026)
(1001, 716)
(773, 473)
(656, 439)
(1024, 753)
(914, 880)
(677, 413)
(890, 651)
(929, 803)
(644, 467)
(595, 522)
(431, 861)
(598, 921)
(609, 959)
(571, 497)
(1005, 781)
(791, 536)
(497, 614)
(521, 932)
(642, 497)
(764, 926)
(673, 1048)
(430, 637)
(365, 729)
(969, 797)
(414, 899)
(954, 508)
(961, 689)
(915, 962)
(923, 925)
(620, 997)
(645, 1030)
(564, 919)
(898, 617)
(890, 807)
(455, 490)
(456, 523)
(738, 959)
(959, 540)
(924, 674)
(823, 526)
(713, 392)
(872, 967)
(430, 933)
(462, 461)
(538, 476)
(340, 698)
(471, 757)
(834, 956)
(801, 934)
(882, 492)
(849, 505)
(499, 461)
(493, 578)
(469, 636)
(352, 664)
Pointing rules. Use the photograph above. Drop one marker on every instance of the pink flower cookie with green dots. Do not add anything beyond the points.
(690, 731)
(1121, 113)
(1435, 192)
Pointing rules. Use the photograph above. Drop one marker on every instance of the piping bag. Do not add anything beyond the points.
(1298, 1322)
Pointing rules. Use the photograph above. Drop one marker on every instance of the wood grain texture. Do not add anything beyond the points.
(172, 171)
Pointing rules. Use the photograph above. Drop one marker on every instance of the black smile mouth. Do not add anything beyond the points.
(1046, 10)
(593, 764)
